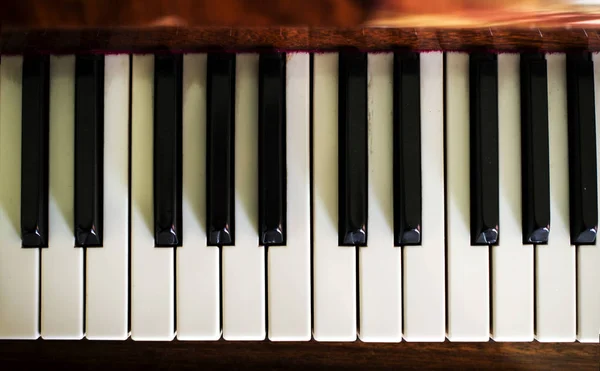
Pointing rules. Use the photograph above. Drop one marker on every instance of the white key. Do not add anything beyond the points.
(198, 267)
(555, 263)
(152, 269)
(289, 310)
(62, 263)
(380, 262)
(425, 265)
(334, 266)
(512, 262)
(468, 266)
(588, 257)
(107, 268)
(19, 267)
(244, 264)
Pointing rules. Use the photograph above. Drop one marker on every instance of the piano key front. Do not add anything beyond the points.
(409, 185)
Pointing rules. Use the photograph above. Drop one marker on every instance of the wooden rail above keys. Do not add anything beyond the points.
(109, 26)
(182, 39)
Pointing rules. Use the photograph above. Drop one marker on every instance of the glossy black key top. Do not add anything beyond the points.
(220, 149)
(167, 150)
(535, 172)
(89, 134)
(407, 149)
(353, 167)
(483, 95)
(583, 187)
(272, 163)
(34, 151)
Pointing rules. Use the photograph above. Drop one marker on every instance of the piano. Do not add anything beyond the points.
(181, 184)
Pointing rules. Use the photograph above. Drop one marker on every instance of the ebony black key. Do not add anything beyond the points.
(167, 150)
(483, 95)
(583, 187)
(220, 122)
(89, 135)
(34, 151)
(353, 166)
(407, 149)
(272, 160)
(535, 172)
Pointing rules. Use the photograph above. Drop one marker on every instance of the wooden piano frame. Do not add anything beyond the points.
(136, 26)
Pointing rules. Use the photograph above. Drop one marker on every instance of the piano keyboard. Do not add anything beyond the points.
(383, 197)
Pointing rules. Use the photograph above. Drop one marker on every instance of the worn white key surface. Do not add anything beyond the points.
(424, 266)
(512, 262)
(334, 267)
(468, 266)
(555, 263)
(107, 268)
(588, 257)
(198, 266)
(380, 262)
(289, 299)
(152, 269)
(19, 267)
(62, 263)
(244, 263)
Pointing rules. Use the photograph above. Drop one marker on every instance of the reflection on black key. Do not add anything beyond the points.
(34, 151)
(220, 149)
(583, 198)
(534, 149)
(89, 126)
(167, 150)
(353, 169)
(272, 165)
(407, 149)
(483, 95)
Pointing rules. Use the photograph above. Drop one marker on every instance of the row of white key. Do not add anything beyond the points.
(401, 291)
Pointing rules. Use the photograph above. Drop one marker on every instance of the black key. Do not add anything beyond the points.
(272, 161)
(483, 95)
(353, 167)
(407, 149)
(583, 198)
(167, 150)
(535, 172)
(34, 151)
(220, 122)
(89, 135)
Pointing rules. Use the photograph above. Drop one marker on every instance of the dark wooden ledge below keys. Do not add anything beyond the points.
(298, 356)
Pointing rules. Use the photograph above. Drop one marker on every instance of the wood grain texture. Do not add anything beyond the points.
(115, 40)
(300, 356)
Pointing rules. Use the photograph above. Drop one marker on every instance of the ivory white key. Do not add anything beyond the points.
(289, 300)
(468, 266)
(198, 266)
(244, 263)
(424, 266)
(512, 262)
(107, 293)
(152, 268)
(19, 267)
(588, 257)
(334, 266)
(62, 263)
(380, 262)
(555, 262)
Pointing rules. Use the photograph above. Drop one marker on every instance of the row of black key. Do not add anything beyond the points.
(534, 148)
(353, 163)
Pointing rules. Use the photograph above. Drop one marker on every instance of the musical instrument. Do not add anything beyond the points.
(200, 174)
